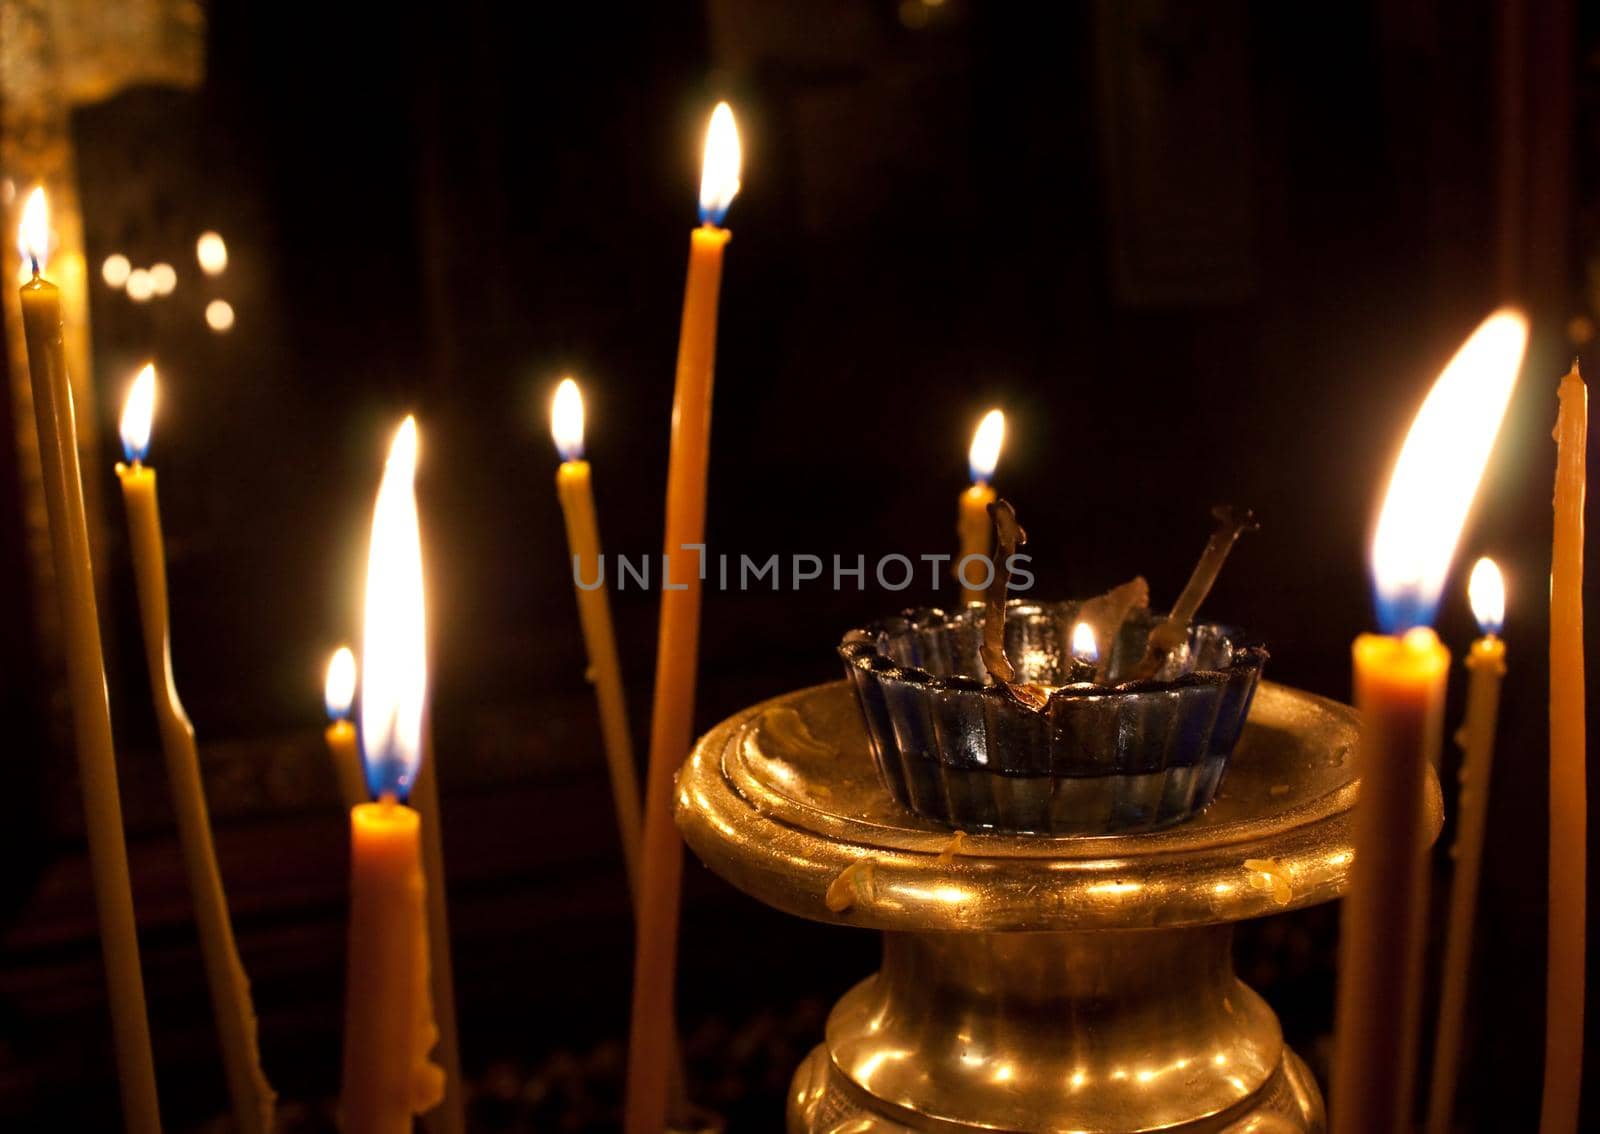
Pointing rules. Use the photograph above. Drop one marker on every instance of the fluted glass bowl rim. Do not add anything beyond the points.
(861, 647)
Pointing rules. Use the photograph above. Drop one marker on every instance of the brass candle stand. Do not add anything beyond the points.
(1031, 983)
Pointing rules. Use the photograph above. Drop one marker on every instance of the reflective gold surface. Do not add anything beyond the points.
(1034, 983)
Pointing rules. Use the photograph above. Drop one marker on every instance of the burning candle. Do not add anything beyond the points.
(1487, 664)
(974, 526)
(1399, 689)
(338, 695)
(252, 1097)
(389, 1026)
(86, 678)
(1084, 646)
(672, 713)
(576, 493)
(1564, 987)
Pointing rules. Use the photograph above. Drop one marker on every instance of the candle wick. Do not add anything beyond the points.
(33, 259)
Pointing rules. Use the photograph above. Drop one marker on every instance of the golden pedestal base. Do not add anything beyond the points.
(1034, 984)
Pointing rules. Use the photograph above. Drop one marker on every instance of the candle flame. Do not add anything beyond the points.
(984, 454)
(394, 675)
(138, 412)
(339, 688)
(719, 169)
(1486, 590)
(33, 234)
(566, 420)
(1437, 473)
(1085, 647)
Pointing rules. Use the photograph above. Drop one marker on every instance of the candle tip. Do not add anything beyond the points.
(138, 412)
(983, 455)
(33, 234)
(394, 664)
(1085, 646)
(339, 687)
(1438, 470)
(1486, 592)
(566, 420)
(720, 167)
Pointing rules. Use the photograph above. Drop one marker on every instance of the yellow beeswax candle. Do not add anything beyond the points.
(1564, 988)
(252, 1097)
(974, 527)
(389, 1025)
(86, 680)
(338, 694)
(1487, 664)
(1399, 689)
(576, 494)
(672, 712)
(449, 1117)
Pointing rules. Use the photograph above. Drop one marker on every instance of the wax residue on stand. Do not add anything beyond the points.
(853, 884)
(1270, 874)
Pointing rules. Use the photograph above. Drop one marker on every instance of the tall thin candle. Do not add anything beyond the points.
(1487, 664)
(974, 527)
(576, 492)
(672, 716)
(1564, 987)
(1399, 689)
(389, 1026)
(253, 1099)
(338, 695)
(86, 679)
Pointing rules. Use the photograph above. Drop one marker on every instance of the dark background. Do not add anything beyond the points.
(1197, 254)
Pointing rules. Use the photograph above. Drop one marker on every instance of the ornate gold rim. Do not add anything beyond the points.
(1274, 855)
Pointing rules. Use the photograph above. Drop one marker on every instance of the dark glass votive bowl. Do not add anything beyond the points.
(1116, 757)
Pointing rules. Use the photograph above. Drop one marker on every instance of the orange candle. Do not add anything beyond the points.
(450, 1116)
(1399, 689)
(1487, 665)
(973, 527)
(252, 1096)
(389, 1025)
(576, 492)
(338, 695)
(672, 717)
(1564, 988)
(86, 679)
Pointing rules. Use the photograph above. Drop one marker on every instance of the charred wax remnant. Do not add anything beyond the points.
(1106, 613)
(1008, 537)
(1172, 633)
